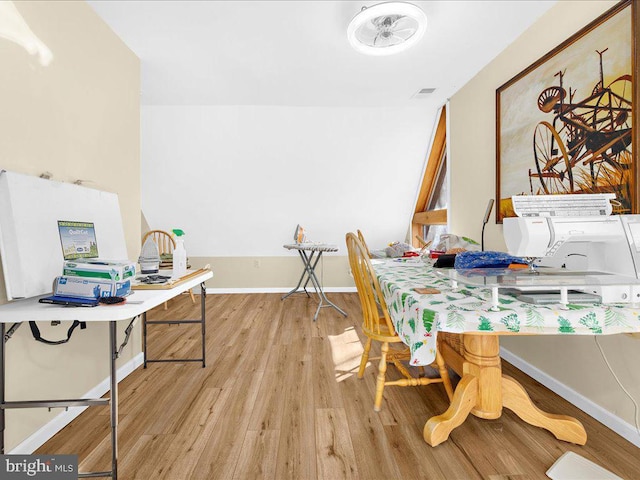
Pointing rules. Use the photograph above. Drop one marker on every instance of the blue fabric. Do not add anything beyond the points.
(468, 259)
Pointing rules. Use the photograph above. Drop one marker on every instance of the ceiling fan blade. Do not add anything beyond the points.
(394, 22)
(386, 21)
(382, 41)
(395, 39)
(405, 32)
(404, 21)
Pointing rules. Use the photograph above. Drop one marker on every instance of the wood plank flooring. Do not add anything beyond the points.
(279, 399)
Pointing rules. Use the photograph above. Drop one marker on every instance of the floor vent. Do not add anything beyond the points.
(572, 466)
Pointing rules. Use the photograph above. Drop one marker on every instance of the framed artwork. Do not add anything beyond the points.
(565, 124)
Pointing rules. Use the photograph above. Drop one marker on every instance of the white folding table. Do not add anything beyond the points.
(141, 301)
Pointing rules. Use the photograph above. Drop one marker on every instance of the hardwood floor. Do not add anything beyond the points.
(279, 399)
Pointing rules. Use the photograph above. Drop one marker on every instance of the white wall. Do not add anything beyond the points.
(238, 179)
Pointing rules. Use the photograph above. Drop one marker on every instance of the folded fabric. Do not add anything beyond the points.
(451, 243)
(489, 259)
(398, 249)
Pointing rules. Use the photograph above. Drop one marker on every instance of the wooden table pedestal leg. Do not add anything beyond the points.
(437, 429)
(483, 391)
(478, 392)
(563, 427)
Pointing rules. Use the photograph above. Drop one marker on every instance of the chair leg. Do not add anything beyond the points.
(365, 358)
(193, 299)
(165, 305)
(382, 370)
(444, 374)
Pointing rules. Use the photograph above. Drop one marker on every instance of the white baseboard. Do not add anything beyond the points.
(38, 438)
(277, 290)
(615, 423)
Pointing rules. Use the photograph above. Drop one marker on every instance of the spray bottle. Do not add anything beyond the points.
(179, 255)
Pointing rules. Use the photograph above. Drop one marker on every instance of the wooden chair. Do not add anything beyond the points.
(166, 244)
(377, 326)
(366, 247)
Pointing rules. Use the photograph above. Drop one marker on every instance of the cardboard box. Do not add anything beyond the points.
(91, 287)
(96, 268)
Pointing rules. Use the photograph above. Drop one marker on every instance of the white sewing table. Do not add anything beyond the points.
(138, 303)
(310, 253)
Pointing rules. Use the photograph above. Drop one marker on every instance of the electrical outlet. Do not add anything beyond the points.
(256, 264)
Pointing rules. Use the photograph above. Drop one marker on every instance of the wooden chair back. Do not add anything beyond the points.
(366, 247)
(376, 320)
(164, 240)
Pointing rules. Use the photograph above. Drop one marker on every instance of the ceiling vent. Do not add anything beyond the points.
(423, 93)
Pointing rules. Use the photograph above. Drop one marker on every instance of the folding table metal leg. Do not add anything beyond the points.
(203, 316)
(2, 385)
(202, 321)
(114, 399)
(144, 340)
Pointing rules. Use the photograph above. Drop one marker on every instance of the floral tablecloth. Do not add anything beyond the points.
(417, 317)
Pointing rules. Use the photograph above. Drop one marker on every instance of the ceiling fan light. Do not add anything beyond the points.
(387, 28)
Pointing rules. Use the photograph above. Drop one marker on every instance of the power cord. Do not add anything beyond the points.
(635, 404)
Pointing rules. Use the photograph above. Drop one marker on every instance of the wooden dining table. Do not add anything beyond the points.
(465, 324)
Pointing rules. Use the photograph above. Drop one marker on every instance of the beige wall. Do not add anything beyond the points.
(273, 273)
(575, 362)
(77, 118)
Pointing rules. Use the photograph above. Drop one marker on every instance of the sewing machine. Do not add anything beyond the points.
(604, 249)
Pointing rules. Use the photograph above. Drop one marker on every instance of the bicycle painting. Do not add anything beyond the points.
(565, 123)
(586, 146)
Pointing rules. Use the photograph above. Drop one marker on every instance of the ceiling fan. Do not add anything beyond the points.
(387, 28)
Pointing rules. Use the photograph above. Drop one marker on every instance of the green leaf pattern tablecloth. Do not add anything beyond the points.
(418, 317)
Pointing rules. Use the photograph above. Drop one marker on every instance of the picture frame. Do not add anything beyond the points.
(564, 125)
